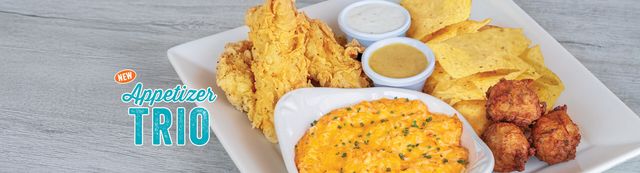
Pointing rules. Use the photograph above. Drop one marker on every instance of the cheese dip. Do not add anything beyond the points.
(398, 61)
(375, 18)
(385, 135)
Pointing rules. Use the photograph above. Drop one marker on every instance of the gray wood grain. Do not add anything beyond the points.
(60, 109)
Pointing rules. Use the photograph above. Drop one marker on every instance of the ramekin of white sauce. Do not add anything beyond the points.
(372, 20)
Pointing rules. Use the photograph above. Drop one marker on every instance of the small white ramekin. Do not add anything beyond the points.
(414, 82)
(367, 39)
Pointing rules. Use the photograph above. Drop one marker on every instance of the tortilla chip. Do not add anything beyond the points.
(436, 77)
(488, 50)
(474, 111)
(548, 86)
(428, 17)
(464, 27)
(485, 80)
(504, 41)
(453, 91)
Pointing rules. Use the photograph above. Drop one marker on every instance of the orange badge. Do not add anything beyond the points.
(124, 76)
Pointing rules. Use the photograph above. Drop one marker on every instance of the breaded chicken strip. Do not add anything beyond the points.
(331, 65)
(279, 64)
(235, 77)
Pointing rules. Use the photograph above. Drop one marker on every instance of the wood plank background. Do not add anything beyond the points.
(60, 109)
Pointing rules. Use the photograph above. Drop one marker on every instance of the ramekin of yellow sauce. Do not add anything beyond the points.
(399, 62)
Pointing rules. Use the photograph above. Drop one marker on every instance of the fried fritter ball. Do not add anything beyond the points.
(514, 101)
(509, 146)
(555, 136)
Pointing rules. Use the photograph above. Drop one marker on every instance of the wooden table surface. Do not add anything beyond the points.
(60, 110)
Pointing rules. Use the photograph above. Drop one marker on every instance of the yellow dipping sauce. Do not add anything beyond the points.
(398, 61)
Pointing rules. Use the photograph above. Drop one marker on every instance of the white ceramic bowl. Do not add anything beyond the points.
(367, 39)
(413, 83)
(297, 109)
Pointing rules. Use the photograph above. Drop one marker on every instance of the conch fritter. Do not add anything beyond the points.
(509, 146)
(387, 135)
(514, 101)
(555, 136)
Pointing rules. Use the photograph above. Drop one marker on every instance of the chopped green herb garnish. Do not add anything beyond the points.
(401, 156)
(314, 123)
(344, 155)
(413, 124)
(339, 127)
(361, 124)
(392, 112)
(460, 161)
(336, 117)
(405, 131)
(366, 142)
(383, 120)
(445, 160)
(426, 156)
(429, 119)
(368, 134)
(348, 109)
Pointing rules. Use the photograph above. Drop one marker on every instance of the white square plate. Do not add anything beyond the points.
(299, 108)
(607, 125)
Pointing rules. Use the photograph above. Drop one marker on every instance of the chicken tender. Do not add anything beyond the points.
(555, 136)
(509, 146)
(279, 64)
(514, 101)
(234, 75)
(331, 65)
(286, 50)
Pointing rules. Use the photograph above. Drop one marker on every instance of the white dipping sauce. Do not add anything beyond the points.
(375, 18)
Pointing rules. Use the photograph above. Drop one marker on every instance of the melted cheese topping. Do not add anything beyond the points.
(387, 135)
